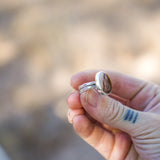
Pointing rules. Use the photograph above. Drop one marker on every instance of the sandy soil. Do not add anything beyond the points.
(43, 43)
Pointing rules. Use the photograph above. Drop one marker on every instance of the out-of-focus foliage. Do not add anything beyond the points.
(44, 42)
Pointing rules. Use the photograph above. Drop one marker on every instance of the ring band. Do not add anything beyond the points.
(87, 86)
(102, 84)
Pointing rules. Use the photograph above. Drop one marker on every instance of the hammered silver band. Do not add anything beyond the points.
(87, 86)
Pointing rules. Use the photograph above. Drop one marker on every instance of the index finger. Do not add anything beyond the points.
(122, 85)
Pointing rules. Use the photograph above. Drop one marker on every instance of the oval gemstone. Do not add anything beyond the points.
(103, 83)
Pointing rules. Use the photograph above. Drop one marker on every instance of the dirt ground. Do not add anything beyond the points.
(43, 43)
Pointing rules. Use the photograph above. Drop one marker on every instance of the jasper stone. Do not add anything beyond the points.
(103, 83)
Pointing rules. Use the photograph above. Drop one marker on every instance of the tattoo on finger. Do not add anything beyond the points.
(130, 116)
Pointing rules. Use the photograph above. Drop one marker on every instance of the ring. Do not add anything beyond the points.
(102, 84)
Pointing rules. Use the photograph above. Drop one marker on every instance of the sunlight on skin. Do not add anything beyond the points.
(109, 141)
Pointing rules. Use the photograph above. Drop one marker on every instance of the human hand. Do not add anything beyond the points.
(122, 126)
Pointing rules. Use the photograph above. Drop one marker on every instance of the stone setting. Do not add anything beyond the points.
(103, 83)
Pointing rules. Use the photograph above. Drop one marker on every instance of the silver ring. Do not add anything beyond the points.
(102, 84)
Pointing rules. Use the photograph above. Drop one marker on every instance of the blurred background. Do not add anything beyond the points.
(43, 43)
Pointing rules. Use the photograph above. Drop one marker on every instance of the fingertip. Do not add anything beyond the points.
(73, 81)
(78, 120)
(69, 98)
(82, 77)
(76, 80)
(73, 113)
(82, 125)
(74, 100)
(69, 116)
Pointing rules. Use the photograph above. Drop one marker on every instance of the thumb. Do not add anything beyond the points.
(111, 112)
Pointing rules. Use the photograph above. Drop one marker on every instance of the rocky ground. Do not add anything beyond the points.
(43, 43)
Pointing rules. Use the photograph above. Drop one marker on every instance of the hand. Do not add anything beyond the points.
(122, 126)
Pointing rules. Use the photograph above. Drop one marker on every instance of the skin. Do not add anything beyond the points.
(102, 121)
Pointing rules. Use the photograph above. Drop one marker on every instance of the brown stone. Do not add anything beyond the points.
(103, 83)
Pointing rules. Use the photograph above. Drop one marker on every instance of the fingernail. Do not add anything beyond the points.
(69, 116)
(90, 98)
